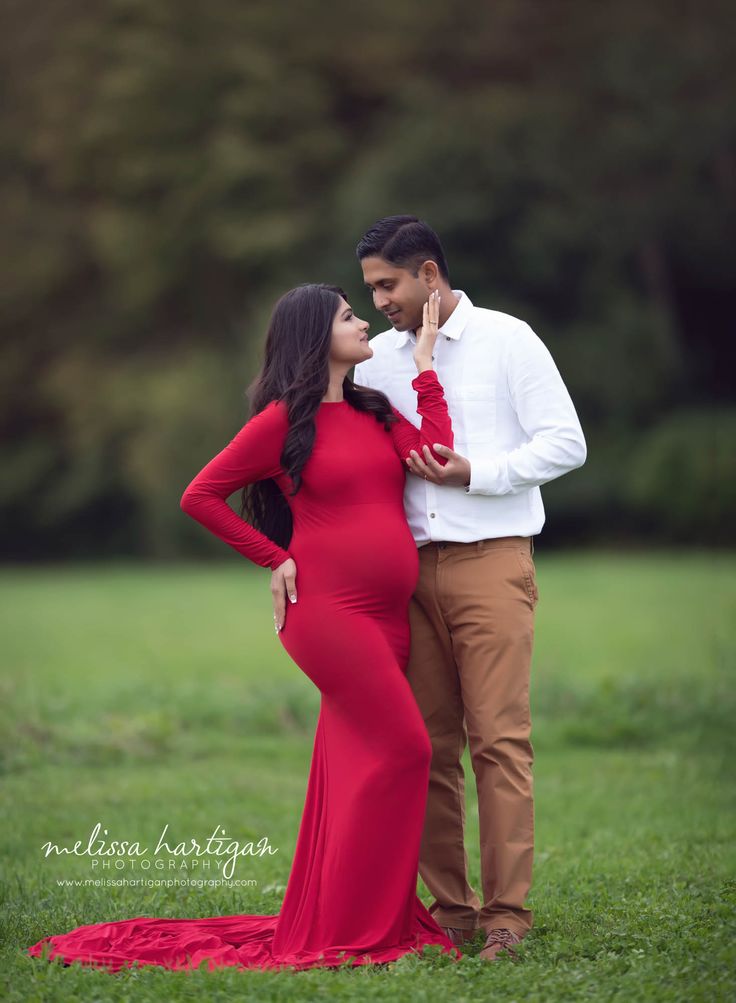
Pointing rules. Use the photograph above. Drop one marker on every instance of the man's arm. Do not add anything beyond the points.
(546, 413)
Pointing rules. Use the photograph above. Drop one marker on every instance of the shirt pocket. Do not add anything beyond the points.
(472, 408)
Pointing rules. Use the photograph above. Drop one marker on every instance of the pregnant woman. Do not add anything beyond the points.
(323, 464)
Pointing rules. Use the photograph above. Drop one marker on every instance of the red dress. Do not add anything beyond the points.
(351, 895)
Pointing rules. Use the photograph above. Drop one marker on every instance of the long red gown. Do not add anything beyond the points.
(351, 895)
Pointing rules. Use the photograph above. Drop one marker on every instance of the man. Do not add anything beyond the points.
(472, 615)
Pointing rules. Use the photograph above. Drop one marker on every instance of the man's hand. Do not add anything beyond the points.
(455, 471)
(283, 583)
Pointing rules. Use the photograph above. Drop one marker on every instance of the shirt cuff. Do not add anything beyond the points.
(487, 477)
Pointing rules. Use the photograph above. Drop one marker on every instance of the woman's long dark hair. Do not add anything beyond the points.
(296, 370)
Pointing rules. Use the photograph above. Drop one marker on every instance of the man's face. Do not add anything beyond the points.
(396, 292)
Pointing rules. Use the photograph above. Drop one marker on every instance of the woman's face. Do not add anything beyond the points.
(349, 336)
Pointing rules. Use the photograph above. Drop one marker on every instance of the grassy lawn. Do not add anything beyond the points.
(140, 696)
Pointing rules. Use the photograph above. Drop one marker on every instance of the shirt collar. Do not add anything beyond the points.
(453, 326)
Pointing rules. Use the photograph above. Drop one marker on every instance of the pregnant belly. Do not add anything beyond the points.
(368, 556)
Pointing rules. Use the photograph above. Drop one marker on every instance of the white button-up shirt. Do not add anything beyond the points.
(512, 418)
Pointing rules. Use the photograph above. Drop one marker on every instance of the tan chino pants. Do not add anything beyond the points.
(472, 631)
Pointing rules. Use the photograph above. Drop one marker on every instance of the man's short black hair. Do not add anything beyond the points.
(405, 242)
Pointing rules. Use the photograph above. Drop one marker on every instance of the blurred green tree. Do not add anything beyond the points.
(170, 168)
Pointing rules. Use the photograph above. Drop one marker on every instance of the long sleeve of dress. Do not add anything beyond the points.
(436, 424)
(252, 455)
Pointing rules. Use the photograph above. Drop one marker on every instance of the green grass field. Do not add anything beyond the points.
(144, 695)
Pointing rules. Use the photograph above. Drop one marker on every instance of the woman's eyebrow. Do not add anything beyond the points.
(347, 311)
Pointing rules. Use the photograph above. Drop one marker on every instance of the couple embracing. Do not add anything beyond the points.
(397, 512)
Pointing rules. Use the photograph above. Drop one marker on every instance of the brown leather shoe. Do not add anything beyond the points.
(459, 935)
(498, 941)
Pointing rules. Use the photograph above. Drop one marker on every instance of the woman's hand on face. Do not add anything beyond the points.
(283, 584)
(427, 333)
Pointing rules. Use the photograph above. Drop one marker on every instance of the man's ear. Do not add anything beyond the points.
(430, 273)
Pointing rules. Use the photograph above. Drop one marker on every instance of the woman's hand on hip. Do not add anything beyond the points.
(283, 584)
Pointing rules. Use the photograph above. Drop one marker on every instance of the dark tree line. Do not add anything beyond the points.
(170, 167)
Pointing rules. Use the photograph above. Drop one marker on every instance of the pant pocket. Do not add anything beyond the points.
(529, 573)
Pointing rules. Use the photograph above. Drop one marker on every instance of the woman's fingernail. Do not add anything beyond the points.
(292, 598)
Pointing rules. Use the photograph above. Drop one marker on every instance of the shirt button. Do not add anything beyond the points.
(447, 337)
(431, 515)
